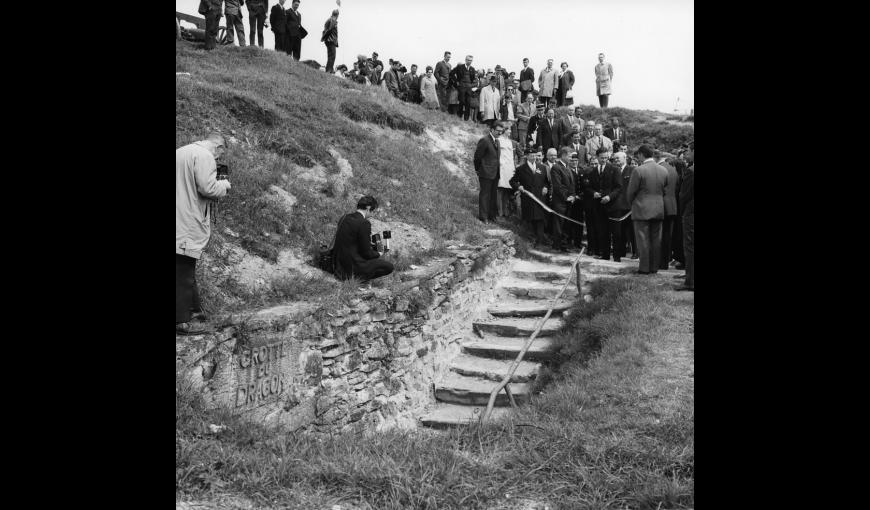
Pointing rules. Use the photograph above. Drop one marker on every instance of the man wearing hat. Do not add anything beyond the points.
(532, 177)
(563, 195)
(574, 231)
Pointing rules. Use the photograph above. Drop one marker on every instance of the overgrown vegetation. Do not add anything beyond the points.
(614, 429)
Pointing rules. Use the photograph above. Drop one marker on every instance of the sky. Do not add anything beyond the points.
(650, 43)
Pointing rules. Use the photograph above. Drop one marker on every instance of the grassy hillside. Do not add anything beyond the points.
(305, 145)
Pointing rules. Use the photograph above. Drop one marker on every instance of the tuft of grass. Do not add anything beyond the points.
(363, 110)
(614, 429)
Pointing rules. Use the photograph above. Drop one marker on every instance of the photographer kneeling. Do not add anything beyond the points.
(354, 255)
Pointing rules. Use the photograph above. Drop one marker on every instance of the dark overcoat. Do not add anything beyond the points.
(533, 181)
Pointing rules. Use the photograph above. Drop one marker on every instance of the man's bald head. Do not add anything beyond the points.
(217, 142)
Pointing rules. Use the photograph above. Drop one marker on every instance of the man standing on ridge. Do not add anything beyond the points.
(196, 187)
(465, 77)
(278, 20)
(527, 80)
(603, 79)
(211, 9)
(442, 75)
(233, 12)
(330, 39)
(547, 83)
(295, 32)
(257, 19)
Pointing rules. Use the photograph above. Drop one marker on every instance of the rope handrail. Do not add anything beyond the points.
(504, 382)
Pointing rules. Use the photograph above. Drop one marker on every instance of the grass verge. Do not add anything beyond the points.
(613, 429)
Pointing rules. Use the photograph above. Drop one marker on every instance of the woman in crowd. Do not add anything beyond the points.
(428, 90)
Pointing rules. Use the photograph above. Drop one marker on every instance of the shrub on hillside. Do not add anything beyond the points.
(360, 109)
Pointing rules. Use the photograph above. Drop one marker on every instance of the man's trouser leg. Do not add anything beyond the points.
(442, 96)
(642, 237)
(280, 41)
(484, 199)
(602, 101)
(628, 233)
(330, 58)
(677, 241)
(185, 288)
(592, 235)
(616, 233)
(603, 227)
(296, 47)
(375, 268)
(465, 102)
(558, 224)
(212, 23)
(689, 248)
(538, 227)
(667, 230)
(235, 21)
(655, 241)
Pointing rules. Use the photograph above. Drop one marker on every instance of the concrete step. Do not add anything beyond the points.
(542, 349)
(531, 270)
(494, 369)
(474, 391)
(517, 326)
(528, 308)
(537, 289)
(444, 415)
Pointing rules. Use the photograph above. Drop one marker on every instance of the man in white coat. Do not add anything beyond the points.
(547, 83)
(506, 202)
(490, 102)
(196, 187)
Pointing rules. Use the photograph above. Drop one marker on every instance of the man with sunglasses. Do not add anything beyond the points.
(196, 188)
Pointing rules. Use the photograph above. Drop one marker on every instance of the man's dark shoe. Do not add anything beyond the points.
(634, 257)
(188, 328)
(686, 288)
(199, 316)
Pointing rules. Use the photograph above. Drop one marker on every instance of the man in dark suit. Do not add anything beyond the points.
(646, 191)
(532, 177)
(294, 31)
(278, 20)
(257, 18)
(587, 186)
(562, 181)
(671, 217)
(442, 75)
(573, 231)
(353, 253)
(549, 132)
(486, 159)
(527, 80)
(616, 133)
(465, 77)
(621, 207)
(578, 145)
(609, 190)
(677, 238)
(687, 204)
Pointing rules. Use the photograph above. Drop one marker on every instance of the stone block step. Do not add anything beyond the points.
(444, 415)
(562, 259)
(474, 391)
(542, 349)
(531, 270)
(528, 308)
(626, 266)
(517, 326)
(494, 369)
(530, 289)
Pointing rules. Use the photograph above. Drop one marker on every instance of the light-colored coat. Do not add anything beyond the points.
(603, 78)
(490, 100)
(506, 166)
(196, 186)
(547, 82)
(524, 114)
(593, 144)
(646, 191)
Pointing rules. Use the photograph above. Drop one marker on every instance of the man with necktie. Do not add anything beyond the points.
(616, 133)
(486, 166)
(562, 181)
(646, 192)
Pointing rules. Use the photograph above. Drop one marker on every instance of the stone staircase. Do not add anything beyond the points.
(522, 298)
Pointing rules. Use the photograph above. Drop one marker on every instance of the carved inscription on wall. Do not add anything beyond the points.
(259, 375)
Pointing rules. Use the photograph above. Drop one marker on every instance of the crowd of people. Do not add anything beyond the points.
(565, 184)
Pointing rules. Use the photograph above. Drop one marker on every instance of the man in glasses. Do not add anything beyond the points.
(196, 188)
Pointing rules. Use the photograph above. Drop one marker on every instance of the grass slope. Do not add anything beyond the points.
(613, 429)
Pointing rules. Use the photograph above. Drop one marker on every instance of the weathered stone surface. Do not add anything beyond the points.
(459, 389)
(494, 369)
(444, 415)
(511, 326)
(537, 289)
(542, 349)
(528, 308)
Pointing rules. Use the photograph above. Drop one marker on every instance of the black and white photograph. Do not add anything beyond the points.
(434, 255)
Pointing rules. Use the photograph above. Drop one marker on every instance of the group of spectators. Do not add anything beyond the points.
(645, 206)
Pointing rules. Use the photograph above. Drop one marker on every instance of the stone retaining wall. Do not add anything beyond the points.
(370, 365)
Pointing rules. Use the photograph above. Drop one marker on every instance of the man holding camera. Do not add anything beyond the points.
(353, 252)
(197, 186)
